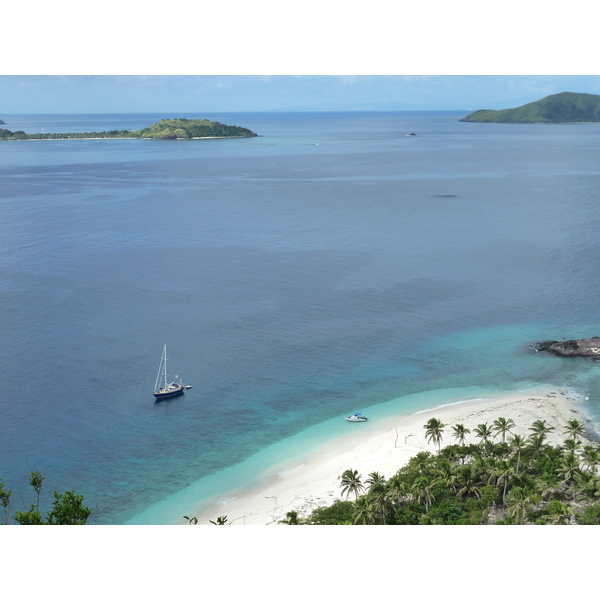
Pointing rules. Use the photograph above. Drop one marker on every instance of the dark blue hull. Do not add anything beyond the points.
(161, 395)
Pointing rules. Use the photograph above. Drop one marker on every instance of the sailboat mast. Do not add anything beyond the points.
(165, 359)
(162, 369)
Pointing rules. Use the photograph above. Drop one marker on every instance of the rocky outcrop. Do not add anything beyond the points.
(589, 347)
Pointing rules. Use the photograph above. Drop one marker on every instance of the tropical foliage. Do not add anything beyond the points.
(67, 508)
(191, 128)
(167, 129)
(497, 478)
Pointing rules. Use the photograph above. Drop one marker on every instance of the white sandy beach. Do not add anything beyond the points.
(385, 448)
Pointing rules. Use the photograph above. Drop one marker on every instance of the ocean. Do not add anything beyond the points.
(334, 263)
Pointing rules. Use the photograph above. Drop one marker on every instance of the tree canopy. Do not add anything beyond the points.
(167, 129)
(566, 107)
(67, 508)
(491, 480)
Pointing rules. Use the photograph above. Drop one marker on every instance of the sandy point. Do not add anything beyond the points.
(314, 481)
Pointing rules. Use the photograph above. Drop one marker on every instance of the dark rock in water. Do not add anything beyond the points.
(589, 347)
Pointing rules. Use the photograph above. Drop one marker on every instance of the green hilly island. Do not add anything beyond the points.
(167, 129)
(566, 107)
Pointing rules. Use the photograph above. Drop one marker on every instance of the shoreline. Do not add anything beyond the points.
(312, 481)
(210, 137)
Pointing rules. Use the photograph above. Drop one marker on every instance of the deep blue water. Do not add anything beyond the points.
(332, 264)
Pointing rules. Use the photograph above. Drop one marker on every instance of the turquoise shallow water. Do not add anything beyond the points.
(288, 455)
(332, 264)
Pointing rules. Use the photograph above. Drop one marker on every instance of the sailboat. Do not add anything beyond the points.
(161, 388)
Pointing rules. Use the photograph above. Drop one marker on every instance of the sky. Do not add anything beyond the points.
(47, 94)
(263, 55)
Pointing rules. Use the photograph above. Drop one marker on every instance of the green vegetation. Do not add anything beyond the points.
(167, 129)
(567, 107)
(5, 134)
(67, 508)
(506, 482)
(222, 520)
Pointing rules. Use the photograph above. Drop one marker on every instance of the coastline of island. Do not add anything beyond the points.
(563, 108)
(64, 139)
(166, 129)
(313, 481)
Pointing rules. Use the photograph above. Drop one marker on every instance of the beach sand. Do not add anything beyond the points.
(385, 447)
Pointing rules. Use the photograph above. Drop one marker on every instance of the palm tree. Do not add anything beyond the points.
(378, 491)
(222, 520)
(574, 429)
(569, 467)
(484, 432)
(502, 426)
(363, 511)
(501, 475)
(291, 518)
(587, 486)
(446, 473)
(520, 501)
(550, 487)
(535, 444)
(468, 481)
(397, 489)
(351, 483)
(460, 433)
(451, 453)
(559, 513)
(375, 479)
(487, 448)
(571, 446)
(433, 433)
(590, 457)
(501, 450)
(421, 460)
(517, 443)
(464, 452)
(540, 428)
(422, 488)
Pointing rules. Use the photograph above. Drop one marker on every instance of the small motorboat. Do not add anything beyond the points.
(356, 417)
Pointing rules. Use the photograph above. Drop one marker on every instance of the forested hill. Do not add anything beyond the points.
(167, 129)
(566, 107)
(191, 128)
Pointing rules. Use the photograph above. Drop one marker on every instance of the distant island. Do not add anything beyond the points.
(566, 107)
(167, 129)
(1, 122)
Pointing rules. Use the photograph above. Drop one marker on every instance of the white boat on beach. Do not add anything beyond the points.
(356, 418)
(161, 388)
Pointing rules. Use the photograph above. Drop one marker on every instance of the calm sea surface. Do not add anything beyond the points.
(332, 264)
